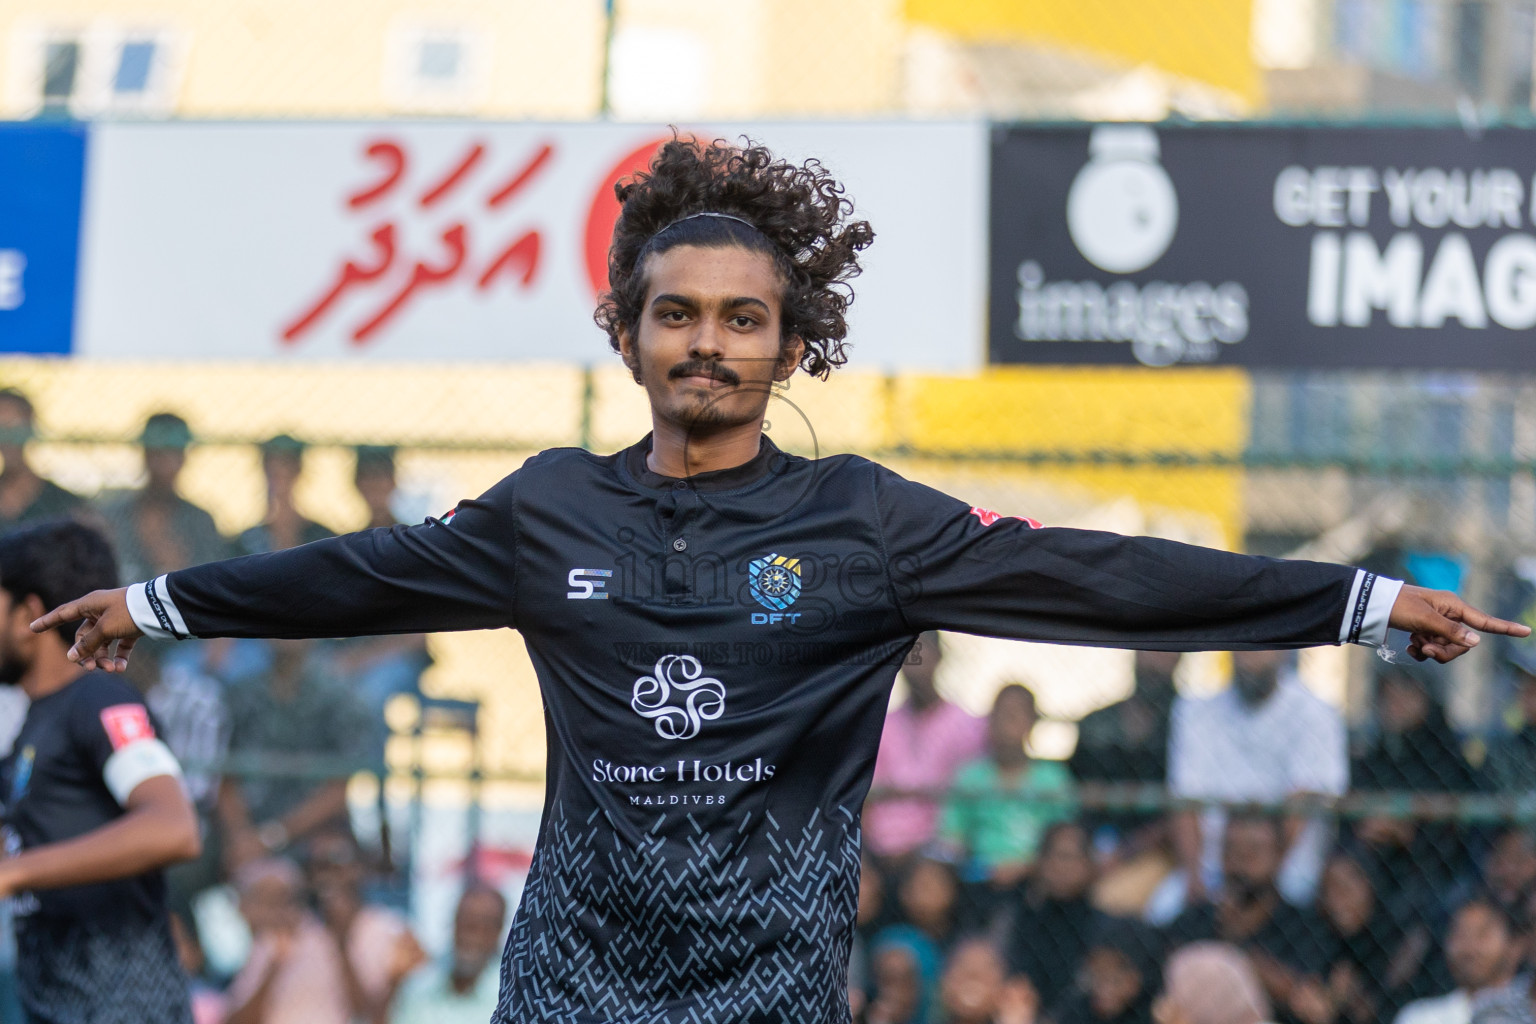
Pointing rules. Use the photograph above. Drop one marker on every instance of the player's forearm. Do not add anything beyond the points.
(1103, 589)
(142, 840)
(419, 579)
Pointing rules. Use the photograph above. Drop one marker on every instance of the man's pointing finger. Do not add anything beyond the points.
(63, 613)
(1488, 624)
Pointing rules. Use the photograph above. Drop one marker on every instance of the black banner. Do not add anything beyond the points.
(1264, 246)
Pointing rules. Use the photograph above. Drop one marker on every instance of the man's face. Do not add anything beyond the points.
(477, 932)
(1347, 897)
(972, 982)
(1251, 859)
(1255, 673)
(1480, 950)
(282, 471)
(1512, 864)
(1010, 723)
(288, 656)
(15, 428)
(376, 488)
(334, 867)
(1066, 868)
(928, 894)
(270, 905)
(163, 466)
(1401, 705)
(1114, 983)
(1528, 698)
(17, 641)
(707, 346)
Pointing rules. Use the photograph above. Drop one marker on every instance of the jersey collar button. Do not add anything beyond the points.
(680, 545)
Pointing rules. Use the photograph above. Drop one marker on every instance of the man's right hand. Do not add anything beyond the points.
(106, 638)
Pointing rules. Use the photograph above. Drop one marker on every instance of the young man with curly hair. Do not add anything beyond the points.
(93, 804)
(716, 624)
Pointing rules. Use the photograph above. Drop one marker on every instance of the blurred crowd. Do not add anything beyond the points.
(997, 890)
(269, 732)
(993, 891)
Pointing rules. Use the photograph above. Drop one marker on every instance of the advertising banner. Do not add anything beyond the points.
(40, 181)
(465, 241)
(1264, 246)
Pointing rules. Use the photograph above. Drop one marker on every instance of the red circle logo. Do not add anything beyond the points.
(604, 213)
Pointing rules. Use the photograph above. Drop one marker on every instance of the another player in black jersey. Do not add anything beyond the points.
(716, 624)
(93, 807)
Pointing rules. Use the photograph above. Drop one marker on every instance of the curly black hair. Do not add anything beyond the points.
(58, 560)
(795, 213)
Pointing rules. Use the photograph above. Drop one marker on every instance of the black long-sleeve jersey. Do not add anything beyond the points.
(715, 657)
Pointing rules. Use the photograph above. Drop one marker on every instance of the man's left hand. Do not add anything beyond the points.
(1441, 625)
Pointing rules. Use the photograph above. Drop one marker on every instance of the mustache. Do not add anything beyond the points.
(700, 368)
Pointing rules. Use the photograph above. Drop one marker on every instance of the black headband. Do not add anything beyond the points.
(710, 213)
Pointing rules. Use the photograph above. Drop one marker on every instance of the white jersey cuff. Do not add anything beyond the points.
(154, 612)
(138, 762)
(1368, 609)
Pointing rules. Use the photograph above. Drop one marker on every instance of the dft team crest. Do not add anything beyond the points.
(774, 581)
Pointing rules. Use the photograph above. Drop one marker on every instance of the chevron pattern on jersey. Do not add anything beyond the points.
(82, 971)
(747, 921)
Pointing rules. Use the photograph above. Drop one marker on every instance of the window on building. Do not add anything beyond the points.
(90, 69)
(1519, 54)
(139, 71)
(61, 72)
(1395, 36)
(1470, 40)
(440, 61)
(135, 61)
(436, 68)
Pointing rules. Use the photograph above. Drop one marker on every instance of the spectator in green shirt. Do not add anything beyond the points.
(463, 988)
(1002, 804)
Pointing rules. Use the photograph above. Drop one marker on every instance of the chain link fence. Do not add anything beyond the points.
(1430, 478)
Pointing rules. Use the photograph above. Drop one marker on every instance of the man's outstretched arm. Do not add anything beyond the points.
(449, 574)
(953, 567)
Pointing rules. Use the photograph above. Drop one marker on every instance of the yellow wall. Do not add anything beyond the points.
(327, 57)
(839, 58)
(1207, 40)
(274, 58)
(302, 58)
(1078, 411)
